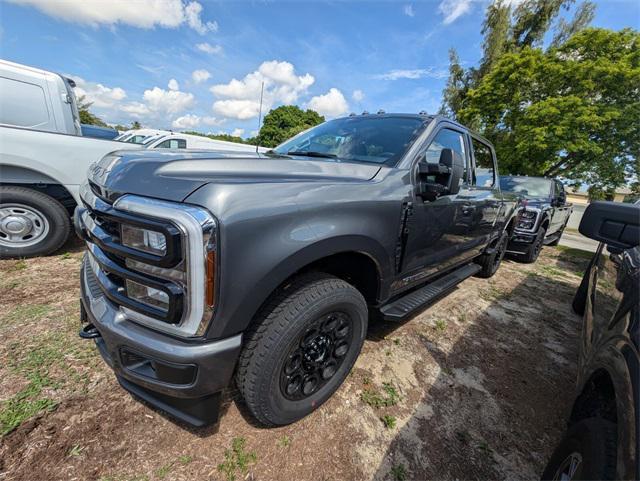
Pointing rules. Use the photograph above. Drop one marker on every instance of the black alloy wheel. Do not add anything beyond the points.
(317, 356)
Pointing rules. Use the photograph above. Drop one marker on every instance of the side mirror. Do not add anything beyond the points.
(455, 163)
(446, 175)
(614, 223)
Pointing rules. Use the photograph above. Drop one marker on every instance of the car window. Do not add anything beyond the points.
(373, 139)
(22, 104)
(172, 144)
(447, 139)
(484, 175)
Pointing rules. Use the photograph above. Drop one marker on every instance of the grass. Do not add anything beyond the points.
(376, 399)
(19, 265)
(441, 325)
(399, 472)
(569, 253)
(284, 441)
(26, 312)
(388, 421)
(492, 293)
(551, 271)
(76, 450)
(236, 459)
(45, 366)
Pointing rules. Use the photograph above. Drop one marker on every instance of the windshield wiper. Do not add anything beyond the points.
(311, 153)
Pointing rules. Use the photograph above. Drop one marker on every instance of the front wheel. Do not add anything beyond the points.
(301, 347)
(491, 262)
(587, 451)
(31, 223)
(534, 251)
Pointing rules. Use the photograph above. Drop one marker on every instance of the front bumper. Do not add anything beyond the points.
(521, 242)
(184, 379)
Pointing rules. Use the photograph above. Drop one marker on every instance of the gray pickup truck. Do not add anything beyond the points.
(205, 266)
(543, 216)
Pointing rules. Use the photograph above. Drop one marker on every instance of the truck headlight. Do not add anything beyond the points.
(147, 295)
(144, 240)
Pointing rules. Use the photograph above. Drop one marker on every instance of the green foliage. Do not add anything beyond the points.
(399, 472)
(87, 117)
(284, 122)
(441, 325)
(225, 137)
(284, 441)
(376, 399)
(569, 112)
(388, 421)
(236, 459)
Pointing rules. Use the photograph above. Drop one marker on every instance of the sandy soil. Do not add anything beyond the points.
(485, 379)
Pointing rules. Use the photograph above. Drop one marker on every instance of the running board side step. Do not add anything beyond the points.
(415, 300)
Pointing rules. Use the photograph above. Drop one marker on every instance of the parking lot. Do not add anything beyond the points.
(477, 386)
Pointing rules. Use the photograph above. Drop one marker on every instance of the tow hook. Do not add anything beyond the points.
(89, 332)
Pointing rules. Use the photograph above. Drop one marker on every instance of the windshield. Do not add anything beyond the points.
(379, 140)
(529, 187)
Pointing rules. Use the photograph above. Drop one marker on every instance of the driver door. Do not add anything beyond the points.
(440, 230)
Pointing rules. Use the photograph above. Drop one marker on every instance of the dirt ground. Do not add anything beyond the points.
(476, 387)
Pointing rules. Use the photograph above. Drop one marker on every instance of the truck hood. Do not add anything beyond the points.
(173, 175)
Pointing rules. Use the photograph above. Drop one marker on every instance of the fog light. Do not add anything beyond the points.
(147, 295)
(144, 240)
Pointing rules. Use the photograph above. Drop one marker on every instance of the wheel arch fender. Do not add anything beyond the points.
(300, 261)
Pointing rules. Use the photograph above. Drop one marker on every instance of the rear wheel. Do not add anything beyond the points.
(491, 262)
(587, 451)
(301, 348)
(31, 223)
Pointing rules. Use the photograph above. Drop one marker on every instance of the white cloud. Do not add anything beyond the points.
(357, 95)
(200, 75)
(136, 13)
(452, 9)
(237, 132)
(237, 109)
(100, 96)
(408, 10)
(191, 121)
(192, 13)
(210, 49)
(241, 98)
(173, 84)
(167, 101)
(330, 104)
(412, 74)
(135, 109)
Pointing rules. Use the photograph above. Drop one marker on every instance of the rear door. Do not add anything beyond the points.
(561, 210)
(484, 193)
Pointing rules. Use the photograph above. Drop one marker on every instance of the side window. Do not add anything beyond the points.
(560, 194)
(447, 139)
(172, 144)
(485, 174)
(22, 104)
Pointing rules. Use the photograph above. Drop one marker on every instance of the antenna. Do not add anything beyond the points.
(260, 115)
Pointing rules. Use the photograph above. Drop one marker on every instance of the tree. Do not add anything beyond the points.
(135, 125)
(508, 31)
(284, 122)
(87, 117)
(571, 111)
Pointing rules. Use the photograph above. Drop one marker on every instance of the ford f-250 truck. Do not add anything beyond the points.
(203, 266)
(543, 217)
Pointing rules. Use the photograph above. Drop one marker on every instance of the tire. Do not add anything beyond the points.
(491, 262)
(536, 247)
(295, 324)
(591, 445)
(31, 223)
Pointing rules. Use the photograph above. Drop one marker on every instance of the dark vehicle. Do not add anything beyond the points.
(205, 265)
(98, 132)
(543, 218)
(603, 438)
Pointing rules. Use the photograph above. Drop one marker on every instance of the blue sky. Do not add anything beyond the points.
(172, 63)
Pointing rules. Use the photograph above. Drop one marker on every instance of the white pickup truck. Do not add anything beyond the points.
(44, 158)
